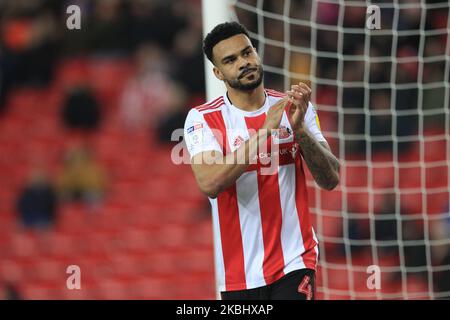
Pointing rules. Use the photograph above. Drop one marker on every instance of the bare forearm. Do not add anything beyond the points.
(322, 164)
(236, 163)
(224, 171)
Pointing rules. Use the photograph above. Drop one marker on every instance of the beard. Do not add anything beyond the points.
(239, 85)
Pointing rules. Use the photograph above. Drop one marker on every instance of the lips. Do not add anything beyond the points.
(247, 73)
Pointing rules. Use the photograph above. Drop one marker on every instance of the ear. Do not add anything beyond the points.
(218, 73)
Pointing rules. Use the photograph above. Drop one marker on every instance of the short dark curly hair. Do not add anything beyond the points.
(221, 32)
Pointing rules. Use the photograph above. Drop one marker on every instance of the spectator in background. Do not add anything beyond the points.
(4, 84)
(386, 229)
(29, 41)
(157, 21)
(143, 27)
(434, 72)
(406, 99)
(37, 202)
(415, 250)
(188, 55)
(440, 254)
(81, 110)
(147, 95)
(353, 98)
(381, 121)
(82, 178)
(174, 116)
(108, 28)
(10, 292)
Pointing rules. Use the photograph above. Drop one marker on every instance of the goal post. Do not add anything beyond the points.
(213, 13)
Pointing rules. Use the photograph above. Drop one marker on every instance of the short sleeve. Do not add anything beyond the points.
(198, 134)
(312, 123)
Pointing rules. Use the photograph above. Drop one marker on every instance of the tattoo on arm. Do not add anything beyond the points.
(322, 164)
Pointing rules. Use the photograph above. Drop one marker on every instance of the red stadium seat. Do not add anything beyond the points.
(410, 177)
(356, 176)
(383, 176)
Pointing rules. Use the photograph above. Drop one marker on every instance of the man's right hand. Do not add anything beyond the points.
(273, 117)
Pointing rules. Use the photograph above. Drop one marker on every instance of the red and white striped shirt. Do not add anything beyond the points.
(262, 226)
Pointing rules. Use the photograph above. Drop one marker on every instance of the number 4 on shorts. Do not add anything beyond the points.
(305, 288)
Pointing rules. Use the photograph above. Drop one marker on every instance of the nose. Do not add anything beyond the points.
(244, 64)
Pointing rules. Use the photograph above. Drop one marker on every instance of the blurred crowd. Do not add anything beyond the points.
(162, 39)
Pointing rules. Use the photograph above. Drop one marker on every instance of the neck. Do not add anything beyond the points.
(247, 100)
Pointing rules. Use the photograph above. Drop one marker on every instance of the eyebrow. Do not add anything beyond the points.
(233, 55)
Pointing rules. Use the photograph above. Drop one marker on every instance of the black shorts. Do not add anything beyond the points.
(296, 285)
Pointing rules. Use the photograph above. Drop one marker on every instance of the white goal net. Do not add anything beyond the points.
(383, 101)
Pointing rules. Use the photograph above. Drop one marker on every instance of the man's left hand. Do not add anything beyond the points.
(299, 96)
